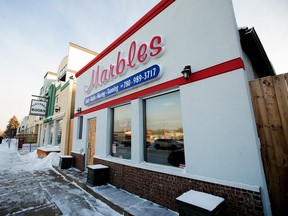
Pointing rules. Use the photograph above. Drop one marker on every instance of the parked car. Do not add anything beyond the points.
(147, 144)
(126, 143)
(181, 141)
(176, 158)
(170, 144)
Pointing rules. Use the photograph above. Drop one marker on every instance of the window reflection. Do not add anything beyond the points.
(59, 135)
(51, 133)
(164, 131)
(121, 145)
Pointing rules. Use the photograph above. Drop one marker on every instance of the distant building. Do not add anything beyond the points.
(28, 125)
(56, 126)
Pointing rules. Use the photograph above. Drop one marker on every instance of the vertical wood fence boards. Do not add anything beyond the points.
(270, 102)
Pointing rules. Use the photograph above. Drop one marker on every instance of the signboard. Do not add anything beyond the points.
(38, 107)
(138, 53)
(145, 76)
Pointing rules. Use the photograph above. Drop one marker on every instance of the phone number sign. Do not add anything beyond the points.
(140, 78)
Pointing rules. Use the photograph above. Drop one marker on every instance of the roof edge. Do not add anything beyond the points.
(254, 49)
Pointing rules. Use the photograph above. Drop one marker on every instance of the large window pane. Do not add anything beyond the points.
(164, 131)
(121, 145)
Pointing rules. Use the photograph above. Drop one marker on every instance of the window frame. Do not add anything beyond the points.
(112, 114)
(144, 102)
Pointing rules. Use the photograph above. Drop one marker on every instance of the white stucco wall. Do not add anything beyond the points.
(78, 57)
(220, 136)
(221, 142)
(200, 39)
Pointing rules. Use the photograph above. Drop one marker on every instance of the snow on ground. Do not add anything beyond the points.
(43, 186)
(28, 162)
(32, 162)
(201, 199)
(69, 198)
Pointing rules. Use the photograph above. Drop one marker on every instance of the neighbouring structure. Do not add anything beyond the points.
(59, 91)
(28, 131)
(27, 125)
(31, 125)
(163, 130)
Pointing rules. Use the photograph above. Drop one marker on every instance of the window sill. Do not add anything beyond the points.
(147, 166)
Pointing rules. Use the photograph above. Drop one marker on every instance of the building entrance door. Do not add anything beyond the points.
(91, 141)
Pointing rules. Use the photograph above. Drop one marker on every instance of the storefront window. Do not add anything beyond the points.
(121, 143)
(164, 132)
(59, 132)
(44, 134)
(51, 133)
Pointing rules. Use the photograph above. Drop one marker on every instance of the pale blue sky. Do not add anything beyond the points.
(34, 37)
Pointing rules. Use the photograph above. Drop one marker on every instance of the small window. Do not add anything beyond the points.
(164, 132)
(121, 131)
(62, 74)
(80, 127)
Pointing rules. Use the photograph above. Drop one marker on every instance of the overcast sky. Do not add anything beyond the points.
(35, 35)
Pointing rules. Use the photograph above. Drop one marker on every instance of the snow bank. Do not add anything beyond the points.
(28, 162)
(31, 161)
(4, 146)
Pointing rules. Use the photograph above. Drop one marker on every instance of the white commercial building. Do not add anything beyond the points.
(161, 133)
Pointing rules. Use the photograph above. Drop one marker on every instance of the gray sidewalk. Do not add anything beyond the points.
(28, 191)
(120, 200)
(42, 192)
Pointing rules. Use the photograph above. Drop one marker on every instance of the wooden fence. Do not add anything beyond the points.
(270, 102)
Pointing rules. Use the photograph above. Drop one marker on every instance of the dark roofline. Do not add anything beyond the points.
(254, 49)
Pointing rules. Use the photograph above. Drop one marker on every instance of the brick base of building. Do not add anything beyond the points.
(78, 161)
(164, 188)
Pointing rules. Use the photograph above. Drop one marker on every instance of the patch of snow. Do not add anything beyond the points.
(98, 166)
(50, 148)
(66, 156)
(200, 199)
(43, 187)
(28, 162)
(132, 203)
(34, 163)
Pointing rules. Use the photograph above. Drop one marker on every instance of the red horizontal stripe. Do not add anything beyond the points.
(196, 76)
(138, 25)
